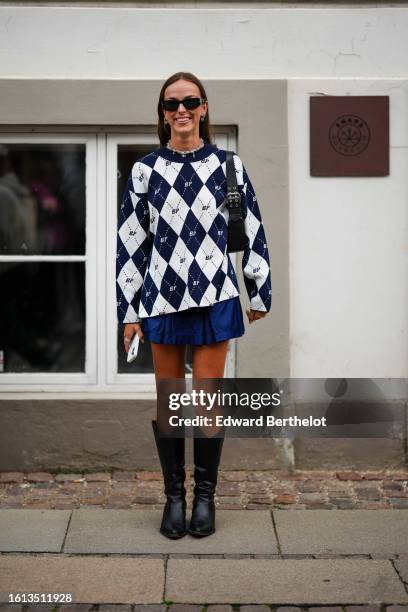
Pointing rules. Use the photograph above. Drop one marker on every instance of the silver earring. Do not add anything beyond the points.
(202, 117)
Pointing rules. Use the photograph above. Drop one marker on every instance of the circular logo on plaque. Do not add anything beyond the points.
(349, 135)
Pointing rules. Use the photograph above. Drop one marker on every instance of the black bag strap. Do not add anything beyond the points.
(231, 176)
(233, 196)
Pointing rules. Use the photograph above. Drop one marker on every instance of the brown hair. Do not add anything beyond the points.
(164, 130)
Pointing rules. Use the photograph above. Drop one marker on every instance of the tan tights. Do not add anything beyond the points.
(208, 362)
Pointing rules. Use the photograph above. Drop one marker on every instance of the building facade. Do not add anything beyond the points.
(79, 87)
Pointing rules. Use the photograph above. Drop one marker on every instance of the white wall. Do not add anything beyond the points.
(218, 42)
(348, 236)
(348, 250)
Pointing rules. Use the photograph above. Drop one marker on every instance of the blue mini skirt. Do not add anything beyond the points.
(202, 325)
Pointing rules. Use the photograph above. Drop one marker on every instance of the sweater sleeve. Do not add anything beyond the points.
(133, 245)
(255, 259)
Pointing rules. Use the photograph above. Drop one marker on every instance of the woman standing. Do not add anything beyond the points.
(175, 281)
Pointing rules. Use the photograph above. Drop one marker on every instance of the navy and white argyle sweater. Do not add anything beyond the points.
(172, 236)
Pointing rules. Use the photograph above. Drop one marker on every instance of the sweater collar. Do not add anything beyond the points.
(205, 151)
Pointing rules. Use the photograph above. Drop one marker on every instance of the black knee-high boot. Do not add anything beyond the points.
(207, 455)
(171, 455)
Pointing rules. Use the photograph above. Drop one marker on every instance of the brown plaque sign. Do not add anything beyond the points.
(349, 135)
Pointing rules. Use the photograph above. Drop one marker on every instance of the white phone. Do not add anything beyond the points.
(133, 349)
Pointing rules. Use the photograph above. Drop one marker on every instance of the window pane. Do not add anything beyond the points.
(42, 316)
(127, 156)
(42, 199)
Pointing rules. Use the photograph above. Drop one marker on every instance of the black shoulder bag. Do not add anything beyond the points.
(237, 238)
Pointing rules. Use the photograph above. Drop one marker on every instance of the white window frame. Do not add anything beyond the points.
(100, 376)
(134, 381)
(49, 381)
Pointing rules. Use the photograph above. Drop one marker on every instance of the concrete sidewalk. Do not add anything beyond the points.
(272, 557)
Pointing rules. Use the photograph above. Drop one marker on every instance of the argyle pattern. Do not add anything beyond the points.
(172, 236)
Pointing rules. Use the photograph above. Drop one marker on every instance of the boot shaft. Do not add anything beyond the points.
(171, 453)
(207, 457)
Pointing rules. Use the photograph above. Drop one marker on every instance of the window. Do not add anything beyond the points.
(59, 201)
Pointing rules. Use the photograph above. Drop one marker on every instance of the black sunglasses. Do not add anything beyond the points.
(188, 103)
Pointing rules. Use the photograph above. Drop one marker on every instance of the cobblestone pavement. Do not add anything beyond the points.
(236, 490)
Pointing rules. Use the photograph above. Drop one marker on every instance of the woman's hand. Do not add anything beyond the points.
(254, 315)
(129, 331)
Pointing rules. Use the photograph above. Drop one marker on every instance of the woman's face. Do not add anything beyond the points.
(184, 122)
